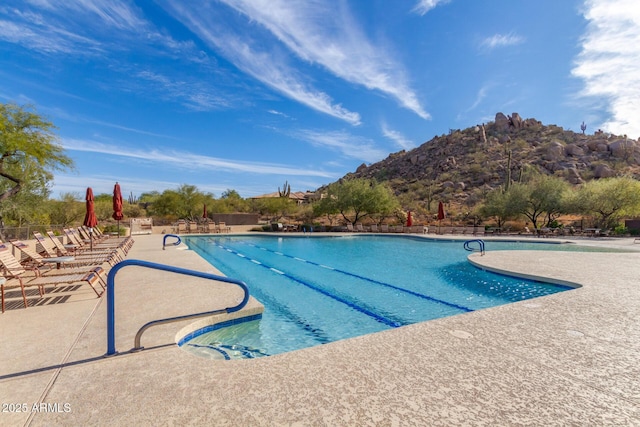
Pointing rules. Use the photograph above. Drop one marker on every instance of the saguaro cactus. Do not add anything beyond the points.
(286, 190)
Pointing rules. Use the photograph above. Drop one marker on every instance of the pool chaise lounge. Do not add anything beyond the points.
(77, 246)
(17, 277)
(54, 247)
(104, 241)
(57, 266)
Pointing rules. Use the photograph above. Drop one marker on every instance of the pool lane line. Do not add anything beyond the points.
(317, 334)
(363, 310)
(357, 276)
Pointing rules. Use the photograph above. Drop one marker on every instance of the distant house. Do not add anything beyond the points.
(299, 196)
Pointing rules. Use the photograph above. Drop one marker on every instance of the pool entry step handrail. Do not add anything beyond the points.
(480, 248)
(111, 336)
(166, 236)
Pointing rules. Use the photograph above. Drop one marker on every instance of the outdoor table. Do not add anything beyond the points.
(59, 260)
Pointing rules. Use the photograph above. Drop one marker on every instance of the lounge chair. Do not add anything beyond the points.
(87, 234)
(104, 241)
(54, 247)
(350, 228)
(80, 247)
(384, 228)
(6, 284)
(359, 227)
(224, 228)
(38, 263)
(373, 228)
(181, 227)
(16, 277)
(211, 227)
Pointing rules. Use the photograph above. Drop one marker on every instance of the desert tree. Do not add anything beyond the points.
(29, 155)
(355, 199)
(499, 206)
(543, 197)
(610, 199)
(67, 210)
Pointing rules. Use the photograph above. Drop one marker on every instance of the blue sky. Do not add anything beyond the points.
(248, 94)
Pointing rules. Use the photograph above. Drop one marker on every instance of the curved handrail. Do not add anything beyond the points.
(164, 240)
(468, 247)
(111, 335)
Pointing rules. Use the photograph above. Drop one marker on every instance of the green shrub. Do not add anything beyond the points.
(113, 228)
(620, 230)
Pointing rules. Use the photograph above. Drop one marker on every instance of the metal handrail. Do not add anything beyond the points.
(467, 246)
(111, 334)
(164, 240)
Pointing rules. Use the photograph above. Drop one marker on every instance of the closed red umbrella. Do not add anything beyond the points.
(409, 219)
(440, 214)
(117, 205)
(90, 219)
(440, 211)
(204, 211)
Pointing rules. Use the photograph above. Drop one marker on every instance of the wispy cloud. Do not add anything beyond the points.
(480, 96)
(397, 137)
(424, 6)
(44, 26)
(40, 36)
(193, 94)
(501, 40)
(349, 145)
(278, 113)
(609, 62)
(186, 160)
(267, 66)
(326, 34)
(103, 184)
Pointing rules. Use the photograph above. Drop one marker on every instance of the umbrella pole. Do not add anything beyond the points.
(91, 239)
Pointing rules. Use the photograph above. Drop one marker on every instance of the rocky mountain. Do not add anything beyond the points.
(463, 165)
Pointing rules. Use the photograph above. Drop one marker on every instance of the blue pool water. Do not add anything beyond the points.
(322, 289)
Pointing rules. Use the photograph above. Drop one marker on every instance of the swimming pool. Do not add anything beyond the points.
(323, 289)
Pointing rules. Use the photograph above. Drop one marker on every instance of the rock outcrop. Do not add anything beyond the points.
(486, 156)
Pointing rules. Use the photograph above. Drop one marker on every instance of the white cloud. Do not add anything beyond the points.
(349, 145)
(115, 14)
(251, 57)
(397, 137)
(45, 38)
(173, 158)
(101, 184)
(424, 6)
(192, 93)
(326, 34)
(609, 62)
(277, 113)
(480, 96)
(501, 40)
(79, 27)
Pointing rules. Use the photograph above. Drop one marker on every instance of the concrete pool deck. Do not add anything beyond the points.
(571, 358)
